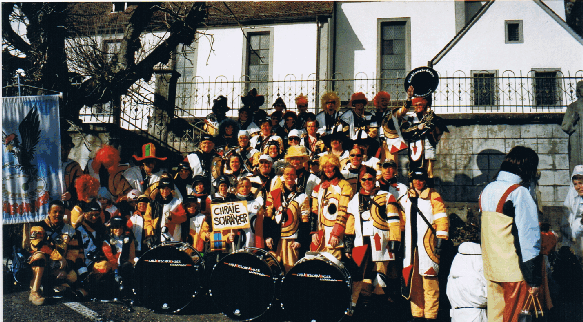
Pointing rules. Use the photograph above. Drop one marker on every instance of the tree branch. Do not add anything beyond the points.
(9, 34)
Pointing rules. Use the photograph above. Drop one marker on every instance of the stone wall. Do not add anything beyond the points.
(469, 156)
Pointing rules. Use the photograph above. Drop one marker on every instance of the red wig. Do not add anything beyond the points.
(419, 99)
(87, 187)
(379, 95)
(107, 156)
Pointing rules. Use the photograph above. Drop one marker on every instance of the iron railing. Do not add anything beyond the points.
(480, 92)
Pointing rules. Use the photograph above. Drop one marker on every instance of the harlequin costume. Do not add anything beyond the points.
(289, 211)
(329, 123)
(329, 218)
(376, 233)
(252, 236)
(356, 122)
(509, 227)
(422, 143)
(420, 262)
(390, 122)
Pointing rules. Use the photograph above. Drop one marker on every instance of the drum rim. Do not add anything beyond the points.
(196, 290)
(276, 279)
(338, 265)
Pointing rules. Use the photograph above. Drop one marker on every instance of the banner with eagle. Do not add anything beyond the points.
(31, 153)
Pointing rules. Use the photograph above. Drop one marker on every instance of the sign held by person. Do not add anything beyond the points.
(230, 215)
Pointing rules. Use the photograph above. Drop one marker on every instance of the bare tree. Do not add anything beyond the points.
(53, 42)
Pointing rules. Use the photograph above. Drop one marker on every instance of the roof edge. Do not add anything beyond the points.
(460, 34)
(559, 20)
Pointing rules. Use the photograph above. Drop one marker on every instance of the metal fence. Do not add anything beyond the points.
(480, 92)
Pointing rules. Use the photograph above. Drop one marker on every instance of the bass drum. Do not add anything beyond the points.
(243, 284)
(168, 277)
(317, 288)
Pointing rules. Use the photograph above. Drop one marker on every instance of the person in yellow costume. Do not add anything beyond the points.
(329, 219)
(426, 226)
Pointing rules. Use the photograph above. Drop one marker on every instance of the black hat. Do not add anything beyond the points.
(253, 99)
(220, 104)
(165, 182)
(279, 101)
(143, 198)
(206, 137)
(223, 179)
(116, 222)
(198, 179)
(93, 205)
(327, 139)
(419, 174)
(190, 198)
(388, 164)
(183, 166)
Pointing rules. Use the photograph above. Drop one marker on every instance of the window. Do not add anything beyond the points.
(119, 7)
(185, 86)
(513, 29)
(394, 53)
(484, 88)
(546, 87)
(258, 61)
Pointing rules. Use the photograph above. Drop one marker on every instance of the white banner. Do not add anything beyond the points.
(31, 157)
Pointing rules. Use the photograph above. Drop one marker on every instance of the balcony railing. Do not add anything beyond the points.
(480, 92)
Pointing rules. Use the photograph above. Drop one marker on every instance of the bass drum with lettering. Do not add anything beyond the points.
(243, 284)
(168, 277)
(317, 288)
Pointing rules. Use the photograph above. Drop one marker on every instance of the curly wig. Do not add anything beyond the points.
(87, 187)
(379, 95)
(329, 159)
(107, 156)
(301, 99)
(329, 96)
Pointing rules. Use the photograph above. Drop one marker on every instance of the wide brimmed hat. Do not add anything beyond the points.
(253, 99)
(279, 101)
(220, 104)
(327, 139)
(297, 151)
(148, 152)
(361, 138)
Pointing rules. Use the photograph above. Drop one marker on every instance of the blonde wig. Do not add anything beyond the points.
(329, 159)
(329, 96)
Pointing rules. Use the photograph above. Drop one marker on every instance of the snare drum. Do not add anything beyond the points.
(168, 277)
(317, 288)
(243, 284)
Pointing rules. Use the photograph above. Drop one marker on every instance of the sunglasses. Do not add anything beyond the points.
(294, 139)
(264, 162)
(366, 179)
(356, 155)
(387, 165)
(302, 106)
(331, 102)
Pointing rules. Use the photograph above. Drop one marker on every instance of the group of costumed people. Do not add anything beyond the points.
(320, 183)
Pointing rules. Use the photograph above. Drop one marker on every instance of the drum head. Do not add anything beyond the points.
(168, 277)
(243, 284)
(316, 290)
(424, 81)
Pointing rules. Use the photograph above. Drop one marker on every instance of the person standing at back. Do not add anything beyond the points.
(511, 237)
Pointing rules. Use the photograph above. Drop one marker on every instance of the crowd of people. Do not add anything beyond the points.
(323, 182)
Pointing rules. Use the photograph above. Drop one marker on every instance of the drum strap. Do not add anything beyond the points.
(282, 211)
